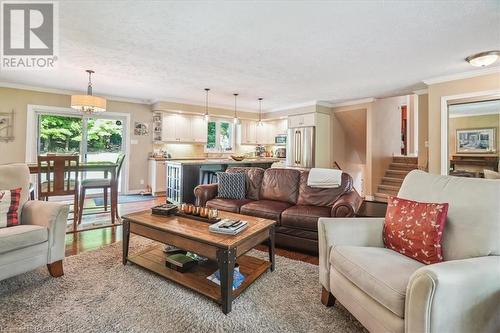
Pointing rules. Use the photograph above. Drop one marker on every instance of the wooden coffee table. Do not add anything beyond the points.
(191, 235)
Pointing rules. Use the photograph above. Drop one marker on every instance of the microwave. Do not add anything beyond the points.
(280, 139)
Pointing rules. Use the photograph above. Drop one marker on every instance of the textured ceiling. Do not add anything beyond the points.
(287, 52)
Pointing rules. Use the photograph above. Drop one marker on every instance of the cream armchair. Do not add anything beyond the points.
(39, 239)
(389, 292)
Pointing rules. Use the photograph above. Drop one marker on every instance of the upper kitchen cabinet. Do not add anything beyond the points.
(281, 127)
(199, 129)
(266, 133)
(252, 134)
(302, 120)
(248, 132)
(183, 128)
(168, 126)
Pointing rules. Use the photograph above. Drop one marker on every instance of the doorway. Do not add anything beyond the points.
(404, 130)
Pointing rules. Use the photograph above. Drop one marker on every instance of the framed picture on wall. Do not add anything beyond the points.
(476, 140)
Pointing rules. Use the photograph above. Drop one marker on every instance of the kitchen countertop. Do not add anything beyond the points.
(158, 158)
(214, 161)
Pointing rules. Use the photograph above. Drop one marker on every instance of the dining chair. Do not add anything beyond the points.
(100, 183)
(61, 178)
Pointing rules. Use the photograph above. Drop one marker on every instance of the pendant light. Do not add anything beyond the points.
(235, 120)
(88, 104)
(206, 116)
(260, 112)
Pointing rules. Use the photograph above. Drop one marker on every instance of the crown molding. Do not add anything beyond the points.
(324, 103)
(156, 102)
(4, 84)
(463, 75)
(294, 106)
(354, 102)
(421, 92)
(302, 105)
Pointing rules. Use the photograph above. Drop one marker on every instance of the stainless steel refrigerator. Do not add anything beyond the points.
(300, 147)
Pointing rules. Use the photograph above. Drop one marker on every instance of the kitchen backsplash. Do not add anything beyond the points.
(186, 150)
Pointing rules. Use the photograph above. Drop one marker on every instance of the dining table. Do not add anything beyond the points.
(104, 166)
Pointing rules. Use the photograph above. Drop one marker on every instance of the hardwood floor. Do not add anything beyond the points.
(84, 241)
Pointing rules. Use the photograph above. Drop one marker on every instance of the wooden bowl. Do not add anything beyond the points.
(238, 157)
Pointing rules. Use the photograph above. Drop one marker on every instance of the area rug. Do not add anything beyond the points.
(99, 294)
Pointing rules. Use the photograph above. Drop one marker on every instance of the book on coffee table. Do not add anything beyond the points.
(228, 227)
(238, 278)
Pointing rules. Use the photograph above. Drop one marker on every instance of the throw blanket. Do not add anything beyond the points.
(324, 178)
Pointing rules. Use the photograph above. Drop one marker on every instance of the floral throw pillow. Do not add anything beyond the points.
(415, 229)
(9, 204)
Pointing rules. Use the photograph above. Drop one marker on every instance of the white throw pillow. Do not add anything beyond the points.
(489, 174)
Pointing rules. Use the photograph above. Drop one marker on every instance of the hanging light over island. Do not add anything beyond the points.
(260, 112)
(206, 116)
(235, 120)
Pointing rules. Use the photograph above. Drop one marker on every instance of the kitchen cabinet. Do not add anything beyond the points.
(266, 133)
(174, 183)
(252, 134)
(281, 127)
(183, 128)
(168, 127)
(302, 120)
(157, 176)
(183, 176)
(248, 132)
(199, 129)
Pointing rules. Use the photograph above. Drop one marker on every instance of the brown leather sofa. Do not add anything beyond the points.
(283, 195)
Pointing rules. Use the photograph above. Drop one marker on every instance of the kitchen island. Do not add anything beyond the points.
(184, 175)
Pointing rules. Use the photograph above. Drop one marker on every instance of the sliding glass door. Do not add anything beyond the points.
(103, 141)
(59, 134)
(95, 138)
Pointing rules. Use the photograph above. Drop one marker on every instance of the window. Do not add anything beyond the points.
(220, 136)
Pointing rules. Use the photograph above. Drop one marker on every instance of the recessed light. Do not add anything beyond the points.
(483, 59)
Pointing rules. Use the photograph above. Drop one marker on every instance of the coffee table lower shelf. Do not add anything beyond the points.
(153, 259)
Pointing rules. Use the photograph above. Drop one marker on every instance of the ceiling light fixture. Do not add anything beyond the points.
(88, 104)
(483, 59)
(235, 120)
(260, 112)
(206, 116)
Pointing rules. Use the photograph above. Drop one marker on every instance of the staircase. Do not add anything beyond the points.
(393, 178)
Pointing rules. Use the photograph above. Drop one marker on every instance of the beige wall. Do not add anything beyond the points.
(423, 130)
(18, 99)
(349, 143)
(451, 88)
(369, 135)
(454, 124)
(385, 138)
